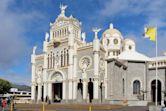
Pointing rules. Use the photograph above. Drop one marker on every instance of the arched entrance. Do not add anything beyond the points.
(57, 91)
(153, 91)
(57, 86)
(90, 90)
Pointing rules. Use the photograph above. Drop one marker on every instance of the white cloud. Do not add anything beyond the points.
(147, 47)
(15, 43)
(13, 39)
(153, 11)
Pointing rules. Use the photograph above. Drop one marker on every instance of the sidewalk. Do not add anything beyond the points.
(7, 108)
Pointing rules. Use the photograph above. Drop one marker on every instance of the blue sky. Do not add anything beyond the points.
(24, 23)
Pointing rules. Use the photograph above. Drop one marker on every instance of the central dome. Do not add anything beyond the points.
(112, 32)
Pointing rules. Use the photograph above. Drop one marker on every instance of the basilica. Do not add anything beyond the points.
(107, 70)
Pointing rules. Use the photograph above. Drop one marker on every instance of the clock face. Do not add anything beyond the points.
(115, 41)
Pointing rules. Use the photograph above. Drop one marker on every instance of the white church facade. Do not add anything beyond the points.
(107, 70)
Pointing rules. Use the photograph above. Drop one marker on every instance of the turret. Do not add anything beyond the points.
(112, 41)
(129, 45)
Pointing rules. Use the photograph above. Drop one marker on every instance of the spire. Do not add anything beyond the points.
(96, 30)
(62, 7)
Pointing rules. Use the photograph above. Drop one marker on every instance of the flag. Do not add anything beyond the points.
(150, 32)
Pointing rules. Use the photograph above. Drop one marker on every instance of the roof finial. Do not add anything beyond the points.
(46, 36)
(111, 26)
(83, 35)
(63, 7)
(96, 30)
(34, 50)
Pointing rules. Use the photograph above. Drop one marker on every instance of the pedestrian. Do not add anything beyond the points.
(0, 102)
(4, 104)
(46, 99)
(8, 101)
(165, 101)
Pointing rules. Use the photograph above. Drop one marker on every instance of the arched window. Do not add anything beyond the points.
(51, 60)
(136, 87)
(53, 35)
(64, 56)
(108, 42)
(67, 57)
(61, 58)
(48, 61)
(57, 33)
(123, 83)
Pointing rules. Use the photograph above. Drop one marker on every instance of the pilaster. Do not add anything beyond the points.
(33, 92)
(70, 67)
(39, 93)
(50, 91)
(84, 89)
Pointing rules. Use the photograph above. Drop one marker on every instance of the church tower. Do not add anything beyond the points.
(60, 51)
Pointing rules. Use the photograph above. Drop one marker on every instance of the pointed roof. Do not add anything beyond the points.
(133, 56)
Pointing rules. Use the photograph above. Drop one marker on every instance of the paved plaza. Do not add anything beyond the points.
(75, 107)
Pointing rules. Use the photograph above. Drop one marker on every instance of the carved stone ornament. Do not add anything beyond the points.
(39, 74)
(85, 62)
(102, 64)
(57, 77)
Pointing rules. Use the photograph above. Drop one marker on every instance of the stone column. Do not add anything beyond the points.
(84, 89)
(33, 92)
(74, 73)
(50, 91)
(96, 48)
(106, 81)
(96, 89)
(45, 76)
(70, 67)
(75, 89)
(64, 90)
(39, 93)
(45, 90)
(33, 87)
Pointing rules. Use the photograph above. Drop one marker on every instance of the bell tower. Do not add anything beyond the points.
(61, 28)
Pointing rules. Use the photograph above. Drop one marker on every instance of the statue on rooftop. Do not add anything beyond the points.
(63, 7)
(46, 36)
(34, 49)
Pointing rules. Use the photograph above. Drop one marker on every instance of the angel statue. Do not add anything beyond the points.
(46, 36)
(34, 49)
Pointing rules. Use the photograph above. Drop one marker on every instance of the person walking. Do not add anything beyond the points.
(4, 104)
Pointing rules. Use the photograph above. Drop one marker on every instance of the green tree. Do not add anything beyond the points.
(4, 86)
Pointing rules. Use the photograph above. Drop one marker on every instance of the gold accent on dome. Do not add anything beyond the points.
(112, 32)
